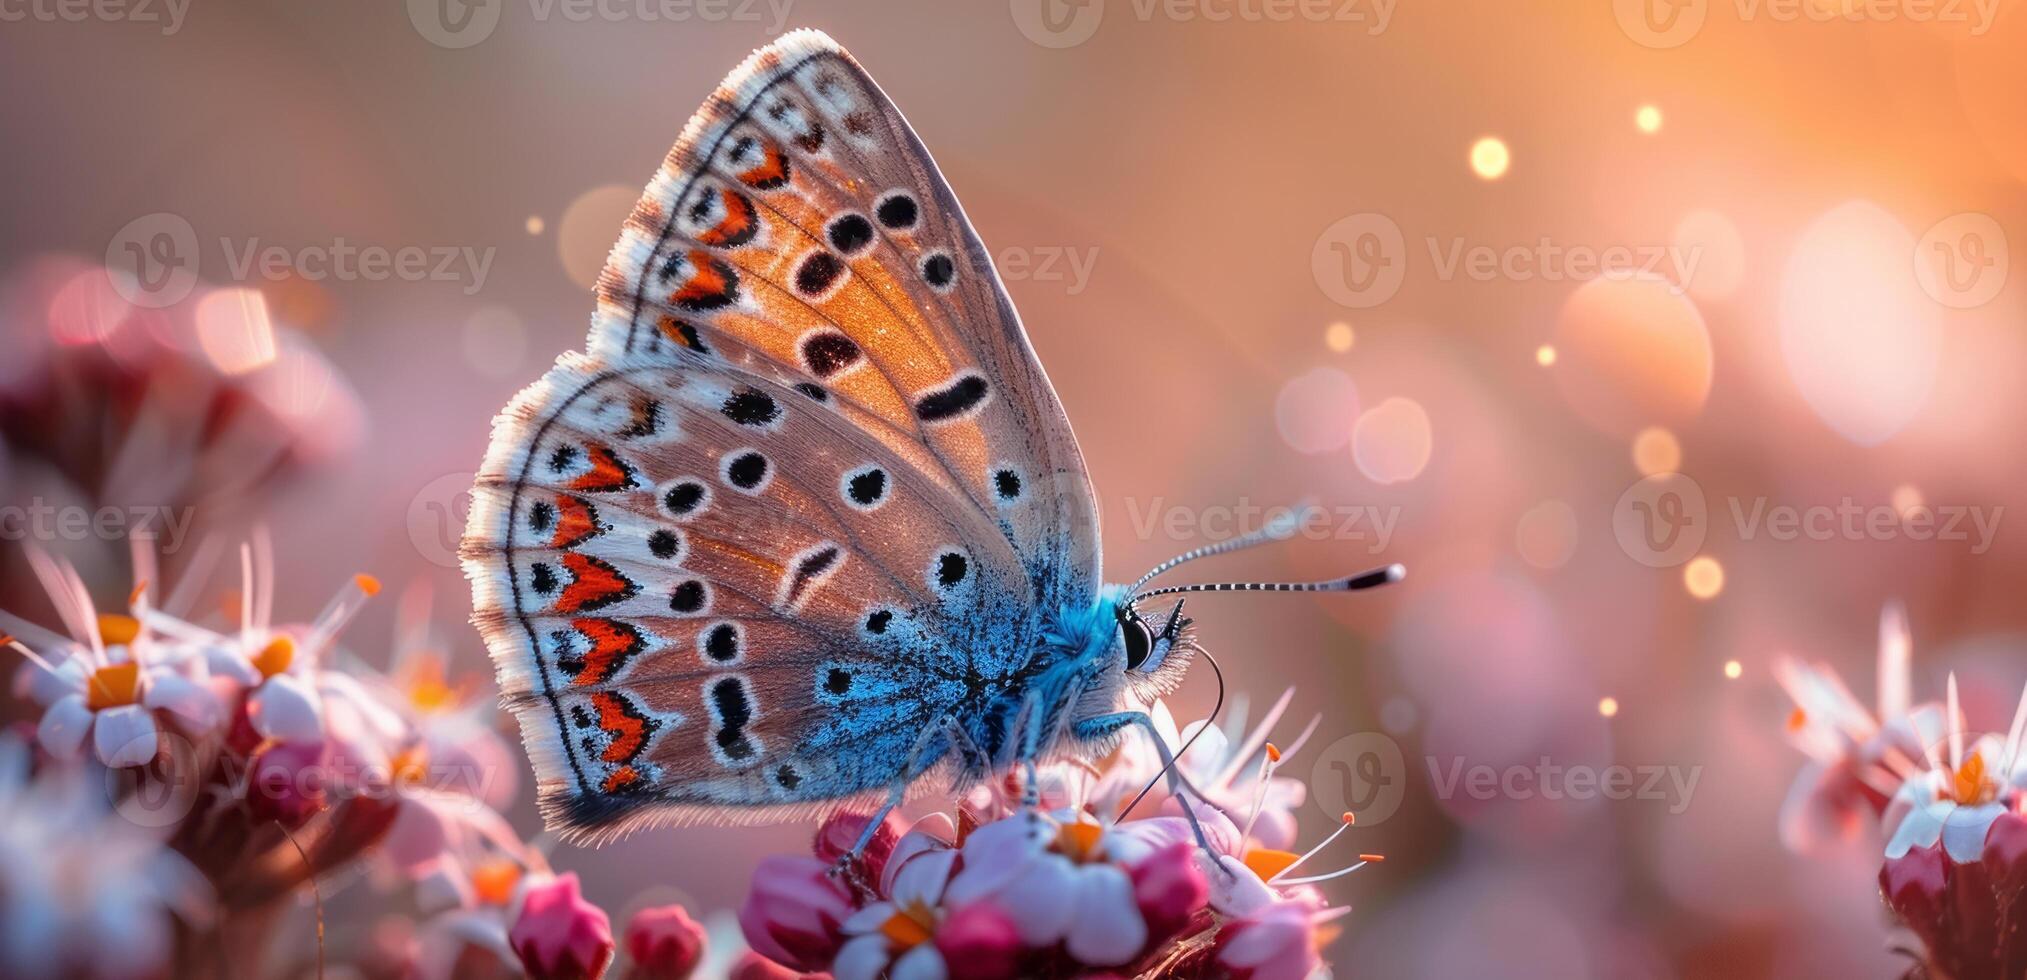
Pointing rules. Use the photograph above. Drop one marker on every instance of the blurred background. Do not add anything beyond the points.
(1659, 338)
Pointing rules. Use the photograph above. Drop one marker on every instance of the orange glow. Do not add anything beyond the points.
(113, 686)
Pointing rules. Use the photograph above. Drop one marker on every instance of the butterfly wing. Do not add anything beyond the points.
(790, 510)
(800, 230)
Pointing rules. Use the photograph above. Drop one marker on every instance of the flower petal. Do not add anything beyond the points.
(286, 709)
(921, 963)
(124, 736)
(1106, 928)
(186, 698)
(862, 958)
(64, 726)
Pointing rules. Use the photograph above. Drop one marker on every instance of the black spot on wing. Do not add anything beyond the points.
(954, 400)
(751, 408)
(827, 352)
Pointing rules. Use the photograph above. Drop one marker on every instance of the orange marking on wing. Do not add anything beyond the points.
(607, 472)
(574, 523)
(770, 172)
(612, 643)
(594, 584)
(709, 285)
(620, 779)
(628, 732)
(738, 225)
(680, 332)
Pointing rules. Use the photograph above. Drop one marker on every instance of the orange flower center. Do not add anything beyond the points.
(1968, 782)
(113, 686)
(908, 927)
(1268, 862)
(494, 881)
(411, 764)
(117, 630)
(1079, 841)
(275, 657)
(426, 687)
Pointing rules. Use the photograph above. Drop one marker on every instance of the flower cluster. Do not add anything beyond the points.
(191, 778)
(1074, 886)
(1952, 807)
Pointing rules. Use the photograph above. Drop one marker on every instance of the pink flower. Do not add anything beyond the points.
(842, 830)
(559, 935)
(1170, 889)
(914, 935)
(664, 943)
(1276, 943)
(1857, 758)
(1966, 912)
(795, 912)
(287, 782)
(1055, 883)
(981, 940)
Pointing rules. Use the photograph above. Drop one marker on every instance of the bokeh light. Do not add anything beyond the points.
(234, 330)
(1545, 355)
(1648, 118)
(1490, 158)
(535, 224)
(1392, 441)
(1860, 339)
(1703, 577)
(1733, 669)
(1547, 534)
(1707, 244)
(589, 227)
(1608, 706)
(1339, 337)
(1315, 411)
(1632, 352)
(1655, 451)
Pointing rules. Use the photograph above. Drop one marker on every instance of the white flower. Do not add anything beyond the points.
(1054, 881)
(82, 892)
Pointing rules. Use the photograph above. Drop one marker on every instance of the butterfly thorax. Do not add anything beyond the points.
(1073, 674)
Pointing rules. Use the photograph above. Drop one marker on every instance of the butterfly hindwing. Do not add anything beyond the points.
(807, 493)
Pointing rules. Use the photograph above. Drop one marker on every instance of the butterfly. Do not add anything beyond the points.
(805, 523)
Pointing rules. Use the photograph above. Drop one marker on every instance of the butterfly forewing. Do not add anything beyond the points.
(808, 492)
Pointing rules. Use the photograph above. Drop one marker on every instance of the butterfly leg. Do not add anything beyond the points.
(1105, 726)
(918, 762)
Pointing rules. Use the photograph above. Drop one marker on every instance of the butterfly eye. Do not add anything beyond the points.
(1139, 640)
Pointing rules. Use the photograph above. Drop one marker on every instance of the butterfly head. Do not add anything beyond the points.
(1153, 651)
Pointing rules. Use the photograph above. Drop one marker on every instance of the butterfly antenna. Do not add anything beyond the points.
(1216, 706)
(1281, 528)
(1350, 583)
